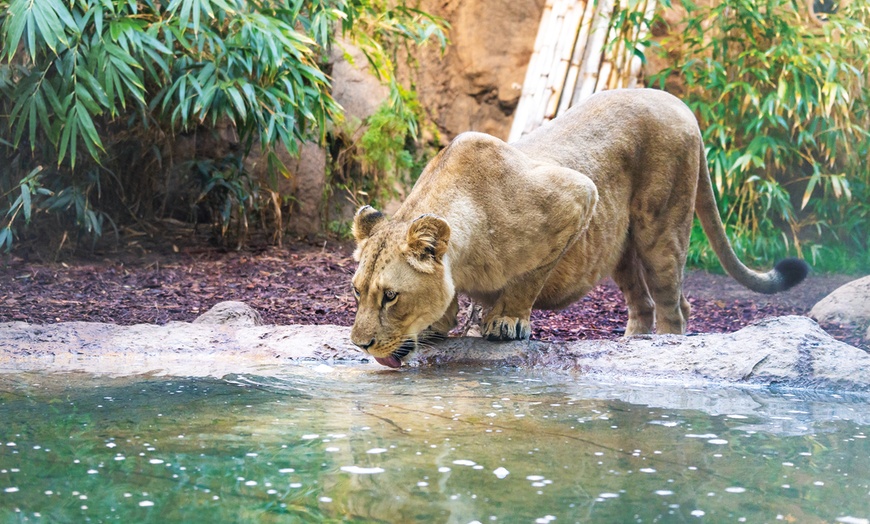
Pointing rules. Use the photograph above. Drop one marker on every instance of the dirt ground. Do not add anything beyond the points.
(179, 276)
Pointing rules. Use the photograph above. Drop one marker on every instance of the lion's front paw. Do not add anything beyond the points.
(507, 328)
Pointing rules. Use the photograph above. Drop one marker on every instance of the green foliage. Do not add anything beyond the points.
(230, 195)
(783, 105)
(383, 143)
(183, 62)
(341, 229)
(373, 166)
(85, 83)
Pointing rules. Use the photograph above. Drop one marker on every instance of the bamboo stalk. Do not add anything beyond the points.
(637, 33)
(634, 72)
(577, 56)
(606, 67)
(615, 58)
(527, 96)
(628, 43)
(636, 62)
(547, 60)
(603, 76)
(594, 51)
(567, 40)
(621, 39)
(633, 62)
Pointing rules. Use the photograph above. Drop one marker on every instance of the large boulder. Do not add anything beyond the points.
(304, 178)
(308, 183)
(847, 305)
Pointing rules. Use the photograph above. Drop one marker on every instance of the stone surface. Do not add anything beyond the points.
(789, 351)
(476, 84)
(358, 91)
(308, 179)
(231, 313)
(849, 304)
(177, 348)
(785, 351)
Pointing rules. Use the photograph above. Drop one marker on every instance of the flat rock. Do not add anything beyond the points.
(784, 351)
(790, 351)
(177, 348)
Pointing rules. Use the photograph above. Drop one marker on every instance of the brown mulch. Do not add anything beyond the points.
(157, 282)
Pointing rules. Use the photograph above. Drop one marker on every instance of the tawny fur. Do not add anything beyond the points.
(608, 189)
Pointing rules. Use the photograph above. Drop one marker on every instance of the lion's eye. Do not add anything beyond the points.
(389, 296)
(355, 292)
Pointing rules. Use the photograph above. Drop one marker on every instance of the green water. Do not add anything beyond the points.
(362, 445)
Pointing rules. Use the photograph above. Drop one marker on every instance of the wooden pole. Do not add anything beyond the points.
(577, 57)
(569, 62)
(546, 61)
(528, 94)
(559, 72)
(594, 50)
(603, 76)
(625, 48)
(636, 62)
(633, 63)
(634, 72)
(612, 40)
(614, 58)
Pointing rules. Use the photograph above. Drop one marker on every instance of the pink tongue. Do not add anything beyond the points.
(390, 361)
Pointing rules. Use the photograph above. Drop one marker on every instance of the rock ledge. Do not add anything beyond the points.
(784, 351)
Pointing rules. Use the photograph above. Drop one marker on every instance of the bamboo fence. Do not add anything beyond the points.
(582, 46)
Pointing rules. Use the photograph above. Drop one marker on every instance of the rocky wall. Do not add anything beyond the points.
(476, 84)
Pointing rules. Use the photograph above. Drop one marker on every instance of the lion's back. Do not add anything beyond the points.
(616, 129)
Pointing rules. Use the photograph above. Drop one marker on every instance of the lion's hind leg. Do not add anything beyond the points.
(664, 276)
(661, 214)
(629, 276)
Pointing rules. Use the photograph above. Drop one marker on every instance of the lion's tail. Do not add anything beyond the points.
(787, 273)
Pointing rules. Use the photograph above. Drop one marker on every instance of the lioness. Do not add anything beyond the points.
(608, 189)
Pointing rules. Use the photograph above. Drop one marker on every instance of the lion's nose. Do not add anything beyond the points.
(367, 345)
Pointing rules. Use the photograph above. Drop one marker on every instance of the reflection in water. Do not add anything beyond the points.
(352, 444)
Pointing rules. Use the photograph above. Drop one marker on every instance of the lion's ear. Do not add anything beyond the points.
(365, 221)
(427, 242)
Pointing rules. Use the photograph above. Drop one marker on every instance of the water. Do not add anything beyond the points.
(323, 444)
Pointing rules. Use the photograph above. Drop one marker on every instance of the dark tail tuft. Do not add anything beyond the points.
(792, 271)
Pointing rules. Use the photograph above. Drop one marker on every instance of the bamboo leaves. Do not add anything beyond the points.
(36, 23)
(196, 60)
(80, 76)
(784, 109)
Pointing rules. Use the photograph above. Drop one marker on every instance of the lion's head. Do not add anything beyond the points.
(402, 284)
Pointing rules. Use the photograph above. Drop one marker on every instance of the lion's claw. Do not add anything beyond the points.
(507, 328)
